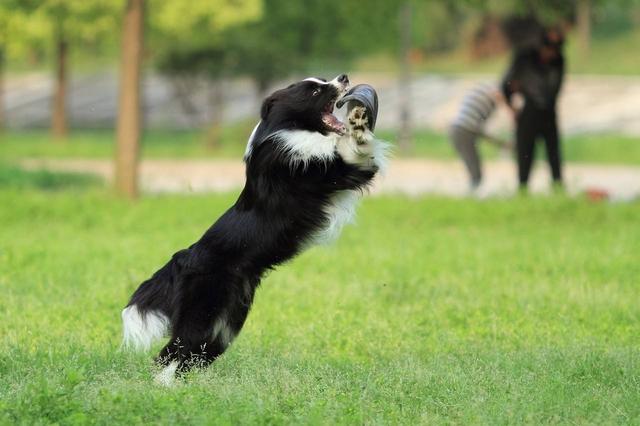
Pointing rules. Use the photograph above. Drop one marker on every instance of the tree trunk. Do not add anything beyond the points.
(59, 128)
(2, 119)
(583, 23)
(129, 112)
(404, 83)
(262, 86)
(216, 103)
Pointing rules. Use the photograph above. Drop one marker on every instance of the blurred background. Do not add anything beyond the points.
(202, 67)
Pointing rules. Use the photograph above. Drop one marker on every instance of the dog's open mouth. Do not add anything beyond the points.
(330, 121)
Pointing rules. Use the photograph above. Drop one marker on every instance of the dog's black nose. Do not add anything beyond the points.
(343, 78)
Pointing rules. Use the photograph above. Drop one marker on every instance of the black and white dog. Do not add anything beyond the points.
(305, 171)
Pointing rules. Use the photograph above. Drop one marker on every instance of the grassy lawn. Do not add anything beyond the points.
(428, 311)
(101, 144)
(166, 144)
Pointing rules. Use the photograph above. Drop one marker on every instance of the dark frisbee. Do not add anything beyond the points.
(365, 95)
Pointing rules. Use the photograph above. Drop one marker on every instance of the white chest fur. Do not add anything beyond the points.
(340, 211)
(342, 208)
(303, 146)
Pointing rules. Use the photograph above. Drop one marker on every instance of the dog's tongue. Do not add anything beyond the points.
(333, 123)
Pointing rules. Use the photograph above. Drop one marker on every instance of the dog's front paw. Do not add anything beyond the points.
(359, 124)
(358, 147)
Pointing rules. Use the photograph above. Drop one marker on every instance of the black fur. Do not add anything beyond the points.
(276, 214)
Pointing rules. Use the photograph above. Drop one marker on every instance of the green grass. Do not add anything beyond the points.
(596, 148)
(101, 144)
(428, 311)
(602, 149)
(14, 177)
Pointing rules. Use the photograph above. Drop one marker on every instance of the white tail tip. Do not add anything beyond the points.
(142, 329)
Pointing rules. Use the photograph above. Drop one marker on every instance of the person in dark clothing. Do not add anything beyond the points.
(537, 74)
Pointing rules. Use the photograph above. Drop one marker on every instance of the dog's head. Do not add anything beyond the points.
(306, 105)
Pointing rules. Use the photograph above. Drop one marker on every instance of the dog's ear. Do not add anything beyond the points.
(266, 106)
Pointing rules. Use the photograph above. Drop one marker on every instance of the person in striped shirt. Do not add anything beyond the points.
(468, 127)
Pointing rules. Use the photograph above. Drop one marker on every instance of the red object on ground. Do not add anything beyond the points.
(596, 194)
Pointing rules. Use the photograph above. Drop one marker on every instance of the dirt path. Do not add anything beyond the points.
(411, 177)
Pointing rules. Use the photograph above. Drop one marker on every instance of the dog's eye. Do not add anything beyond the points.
(316, 92)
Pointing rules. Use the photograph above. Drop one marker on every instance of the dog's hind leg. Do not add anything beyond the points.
(204, 332)
(180, 356)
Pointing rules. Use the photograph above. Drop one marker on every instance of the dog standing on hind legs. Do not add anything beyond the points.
(305, 172)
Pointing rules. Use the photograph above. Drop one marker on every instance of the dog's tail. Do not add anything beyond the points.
(142, 328)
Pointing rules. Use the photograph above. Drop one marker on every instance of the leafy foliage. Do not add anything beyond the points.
(87, 24)
(196, 23)
(268, 38)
